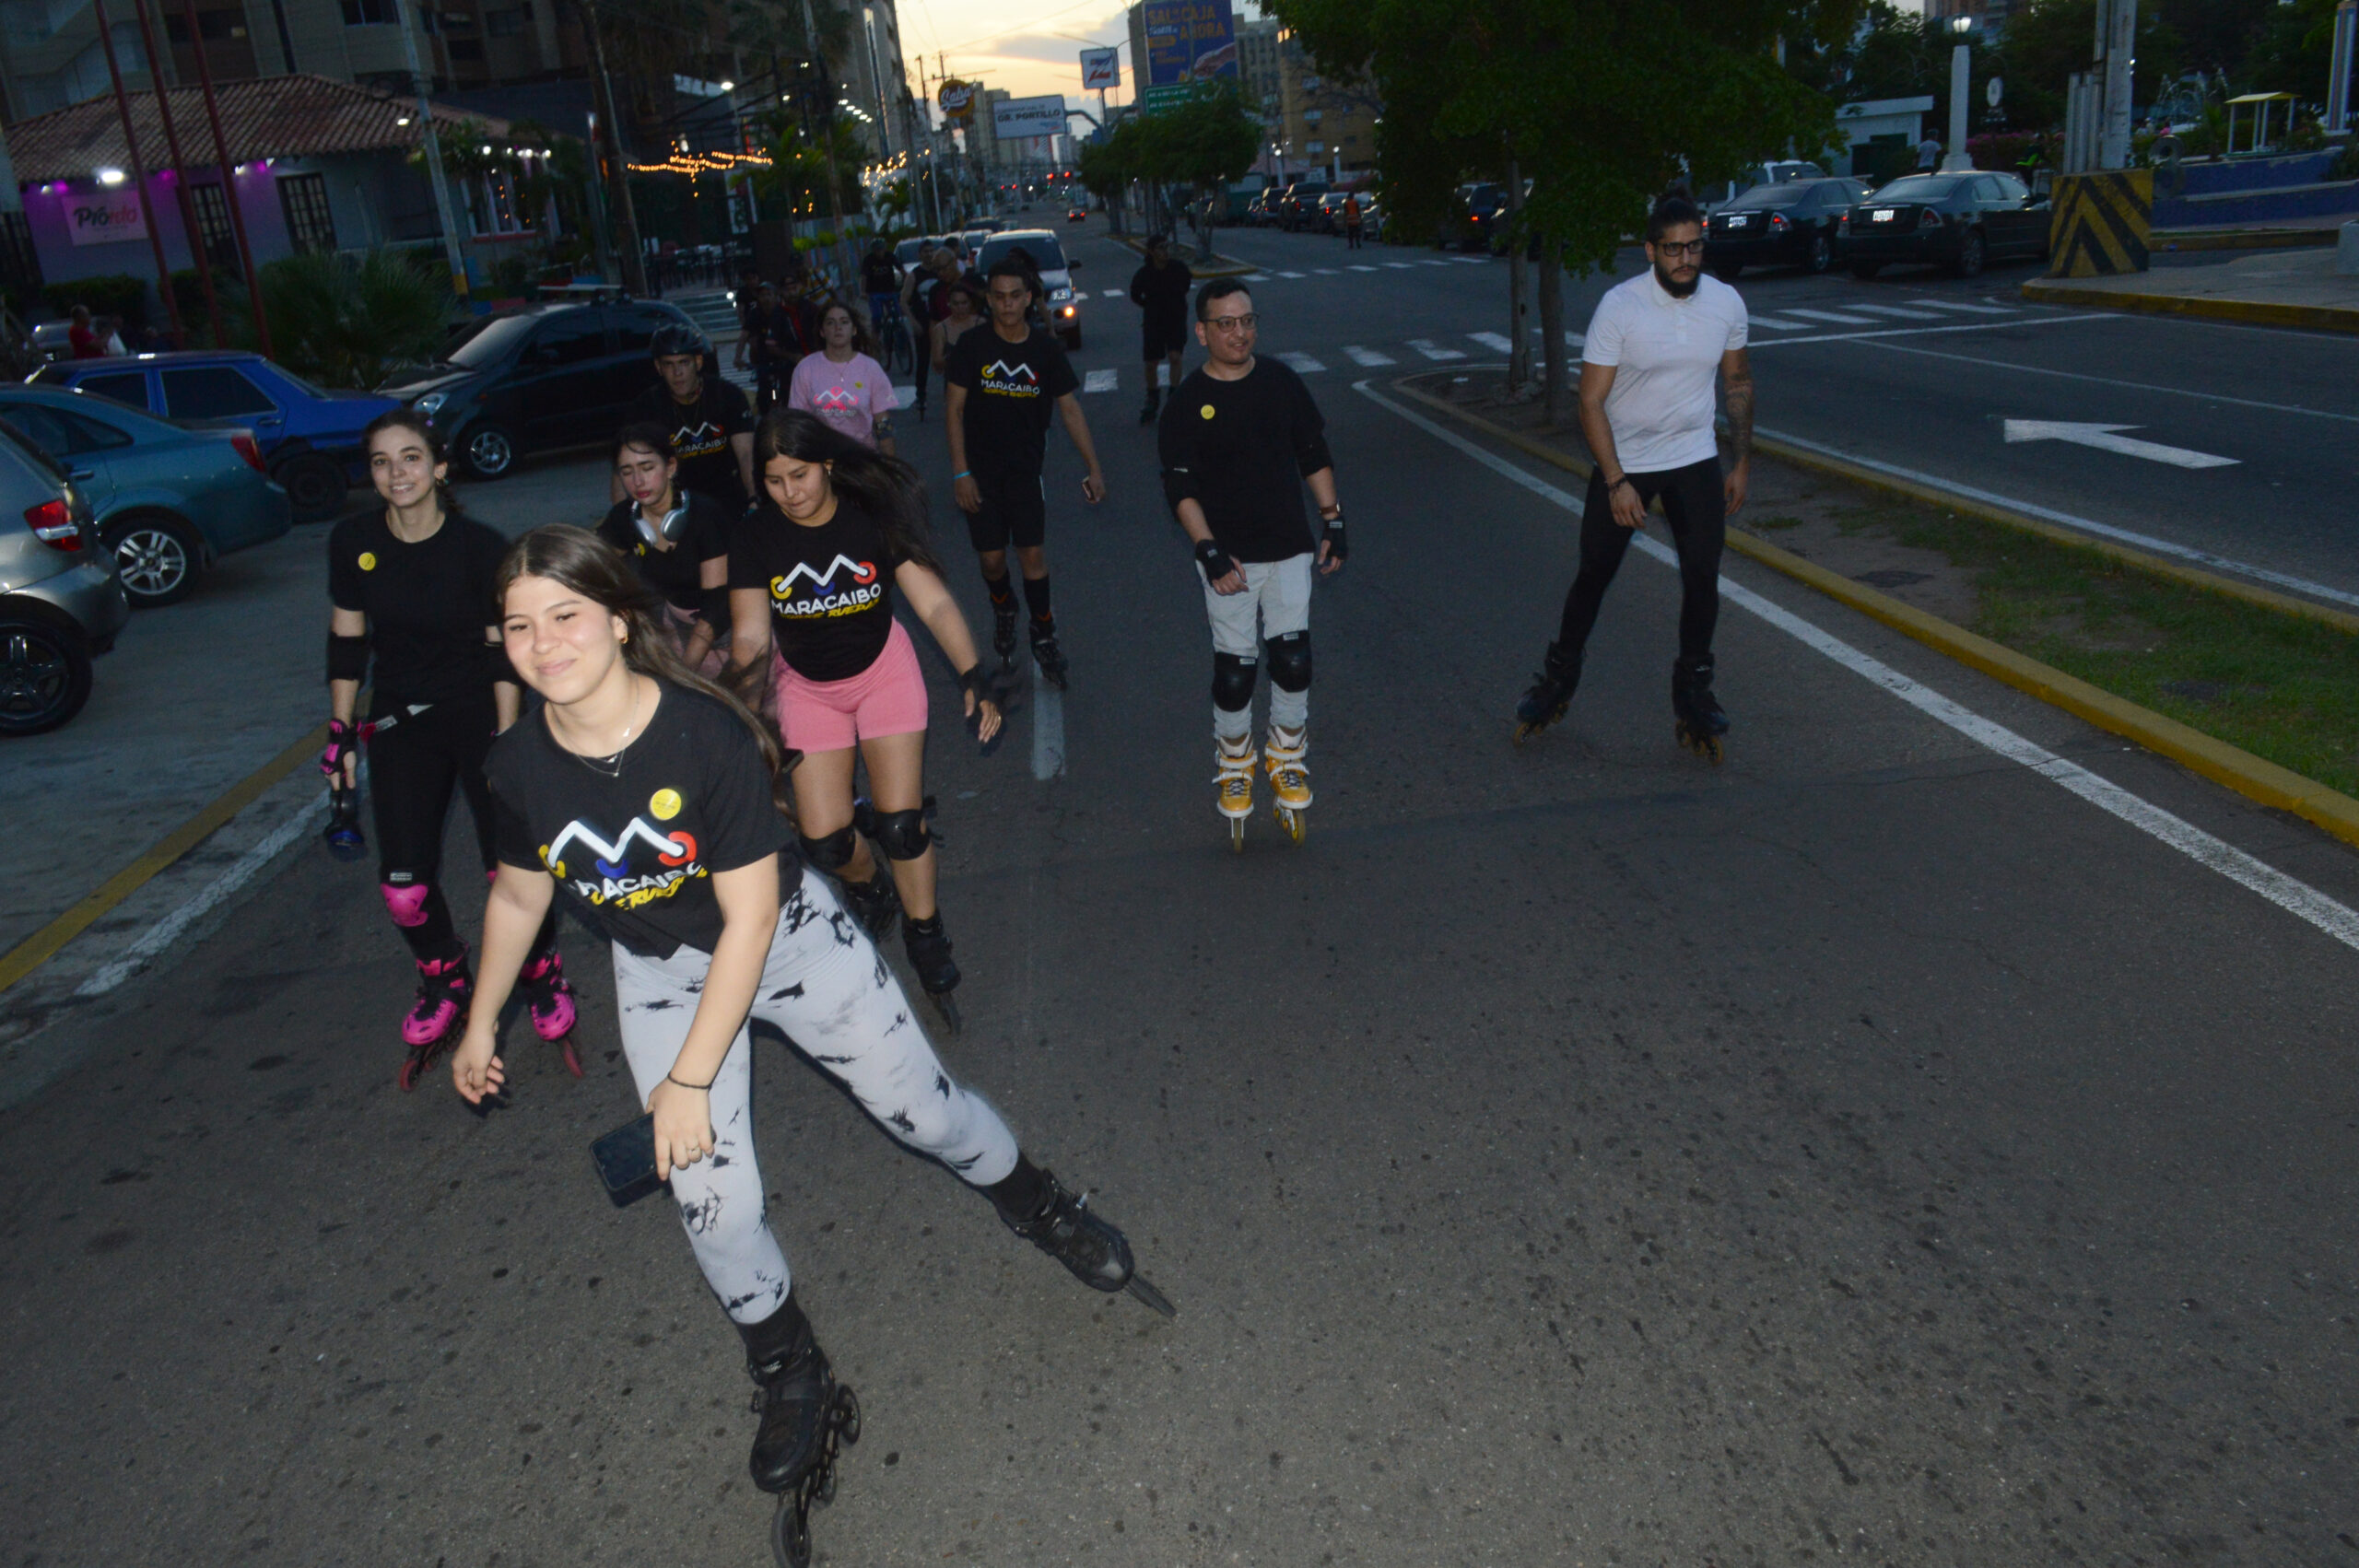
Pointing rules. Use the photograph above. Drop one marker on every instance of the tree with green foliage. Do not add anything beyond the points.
(347, 323)
(1204, 142)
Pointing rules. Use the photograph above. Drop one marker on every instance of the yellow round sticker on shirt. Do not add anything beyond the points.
(367, 561)
(664, 804)
(1206, 411)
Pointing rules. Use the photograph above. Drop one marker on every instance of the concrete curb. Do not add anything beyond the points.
(2166, 241)
(1220, 266)
(2254, 777)
(2251, 312)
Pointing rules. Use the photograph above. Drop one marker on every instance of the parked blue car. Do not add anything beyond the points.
(165, 501)
(310, 438)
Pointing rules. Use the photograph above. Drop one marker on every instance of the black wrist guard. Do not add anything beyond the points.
(1214, 560)
(347, 658)
(1331, 535)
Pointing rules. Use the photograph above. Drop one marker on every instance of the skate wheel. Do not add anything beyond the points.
(823, 1488)
(791, 1534)
(1236, 835)
(1294, 821)
(847, 1414)
(566, 1053)
(407, 1077)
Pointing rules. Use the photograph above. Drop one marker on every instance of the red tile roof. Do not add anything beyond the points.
(297, 116)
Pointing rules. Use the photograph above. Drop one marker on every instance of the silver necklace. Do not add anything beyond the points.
(611, 766)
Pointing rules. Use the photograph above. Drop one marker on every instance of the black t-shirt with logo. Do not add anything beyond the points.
(637, 852)
(676, 573)
(700, 432)
(1011, 388)
(1241, 450)
(831, 587)
(427, 605)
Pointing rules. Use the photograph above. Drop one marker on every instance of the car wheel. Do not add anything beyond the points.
(45, 674)
(314, 484)
(1972, 253)
(1728, 272)
(158, 559)
(1821, 255)
(1863, 271)
(488, 451)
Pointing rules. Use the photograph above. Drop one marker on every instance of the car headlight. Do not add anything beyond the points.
(1058, 295)
(432, 403)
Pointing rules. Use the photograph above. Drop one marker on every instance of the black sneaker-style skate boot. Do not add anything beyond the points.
(1046, 654)
(1003, 631)
(807, 1415)
(1099, 1254)
(1699, 721)
(1551, 692)
(928, 946)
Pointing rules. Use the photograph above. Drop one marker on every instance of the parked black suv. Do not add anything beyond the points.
(530, 380)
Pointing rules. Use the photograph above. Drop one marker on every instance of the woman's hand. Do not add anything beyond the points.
(683, 1125)
(475, 1070)
(967, 494)
(984, 716)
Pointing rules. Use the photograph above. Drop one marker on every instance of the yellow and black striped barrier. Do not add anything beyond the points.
(2100, 223)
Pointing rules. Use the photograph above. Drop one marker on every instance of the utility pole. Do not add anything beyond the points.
(2117, 47)
(139, 171)
(629, 252)
(1961, 70)
(435, 175)
(180, 180)
(229, 180)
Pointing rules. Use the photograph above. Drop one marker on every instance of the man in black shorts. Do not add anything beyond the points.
(1159, 289)
(711, 425)
(1001, 382)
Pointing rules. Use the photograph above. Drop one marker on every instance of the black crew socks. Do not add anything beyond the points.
(1021, 1194)
(1036, 597)
(1002, 596)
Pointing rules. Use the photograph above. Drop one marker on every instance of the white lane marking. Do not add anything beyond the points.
(1302, 362)
(1427, 347)
(2295, 897)
(1048, 728)
(904, 396)
(1115, 294)
(1962, 305)
(1367, 356)
(2103, 438)
(1840, 319)
(1471, 261)
(1398, 267)
(1431, 262)
(1326, 271)
(1363, 269)
(2110, 381)
(1492, 340)
(2086, 525)
(2059, 318)
(1252, 278)
(165, 931)
(1101, 380)
(1779, 323)
(1290, 274)
(1905, 315)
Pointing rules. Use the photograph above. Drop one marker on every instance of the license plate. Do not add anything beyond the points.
(1738, 222)
(1883, 214)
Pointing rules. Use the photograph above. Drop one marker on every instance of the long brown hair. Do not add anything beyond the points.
(584, 564)
(886, 488)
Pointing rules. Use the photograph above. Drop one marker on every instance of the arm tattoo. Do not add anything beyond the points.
(1739, 399)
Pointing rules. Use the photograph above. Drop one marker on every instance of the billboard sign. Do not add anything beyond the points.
(1101, 69)
(958, 99)
(1014, 118)
(103, 216)
(1188, 41)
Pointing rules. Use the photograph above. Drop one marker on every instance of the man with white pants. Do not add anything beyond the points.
(1239, 438)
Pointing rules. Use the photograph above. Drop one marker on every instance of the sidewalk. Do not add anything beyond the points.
(2282, 289)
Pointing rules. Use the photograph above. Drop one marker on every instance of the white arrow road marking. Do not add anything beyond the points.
(2102, 437)
(1302, 362)
(1492, 340)
(1101, 380)
(1427, 347)
(1829, 316)
(1367, 356)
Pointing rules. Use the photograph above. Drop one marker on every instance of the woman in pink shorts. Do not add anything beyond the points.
(812, 571)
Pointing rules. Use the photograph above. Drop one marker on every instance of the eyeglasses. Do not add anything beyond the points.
(1231, 323)
(1674, 248)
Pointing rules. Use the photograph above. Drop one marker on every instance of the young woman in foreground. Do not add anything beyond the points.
(646, 793)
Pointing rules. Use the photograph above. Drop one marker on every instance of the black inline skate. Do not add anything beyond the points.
(1098, 1254)
(1699, 721)
(872, 903)
(928, 946)
(1048, 655)
(806, 1416)
(1003, 631)
(1551, 692)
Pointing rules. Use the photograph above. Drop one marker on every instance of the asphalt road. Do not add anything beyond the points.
(1868, 1149)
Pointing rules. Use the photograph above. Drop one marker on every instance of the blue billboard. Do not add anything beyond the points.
(1188, 41)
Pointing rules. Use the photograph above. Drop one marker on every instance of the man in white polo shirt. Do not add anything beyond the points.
(1655, 349)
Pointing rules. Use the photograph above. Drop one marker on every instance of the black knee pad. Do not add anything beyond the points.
(1290, 662)
(830, 854)
(902, 835)
(1232, 683)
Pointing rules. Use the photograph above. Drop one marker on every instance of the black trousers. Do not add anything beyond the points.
(416, 763)
(1696, 507)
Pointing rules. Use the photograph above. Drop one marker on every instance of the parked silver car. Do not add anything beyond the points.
(60, 605)
(168, 502)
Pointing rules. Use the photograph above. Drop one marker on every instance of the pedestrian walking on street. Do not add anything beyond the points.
(843, 384)
(711, 425)
(757, 344)
(812, 573)
(676, 540)
(1239, 440)
(1002, 381)
(415, 615)
(1928, 154)
(880, 279)
(1654, 350)
(1353, 221)
(1159, 288)
(649, 796)
(917, 310)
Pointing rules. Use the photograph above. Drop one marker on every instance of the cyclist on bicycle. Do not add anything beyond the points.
(843, 384)
(880, 274)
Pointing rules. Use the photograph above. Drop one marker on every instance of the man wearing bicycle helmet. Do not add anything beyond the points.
(711, 423)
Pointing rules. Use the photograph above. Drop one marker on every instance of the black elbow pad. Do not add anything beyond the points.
(1178, 485)
(347, 656)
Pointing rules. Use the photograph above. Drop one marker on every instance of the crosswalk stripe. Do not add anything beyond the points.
(1778, 322)
(1398, 267)
(1432, 261)
(1431, 351)
(1830, 316)
(1960, 305)
(1493, 340)
(1302, 362)
(1289, 275)
(1113, 294)
(1101, 380)
(1367, 356)
(1325, 271)
(1363, 269)
(1896, 311)
(1470, 261)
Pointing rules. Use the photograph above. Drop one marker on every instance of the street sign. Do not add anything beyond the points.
(1018, 117)
(1994, 90)
(1187, 42)
(2102, 437)
(1101, 69)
